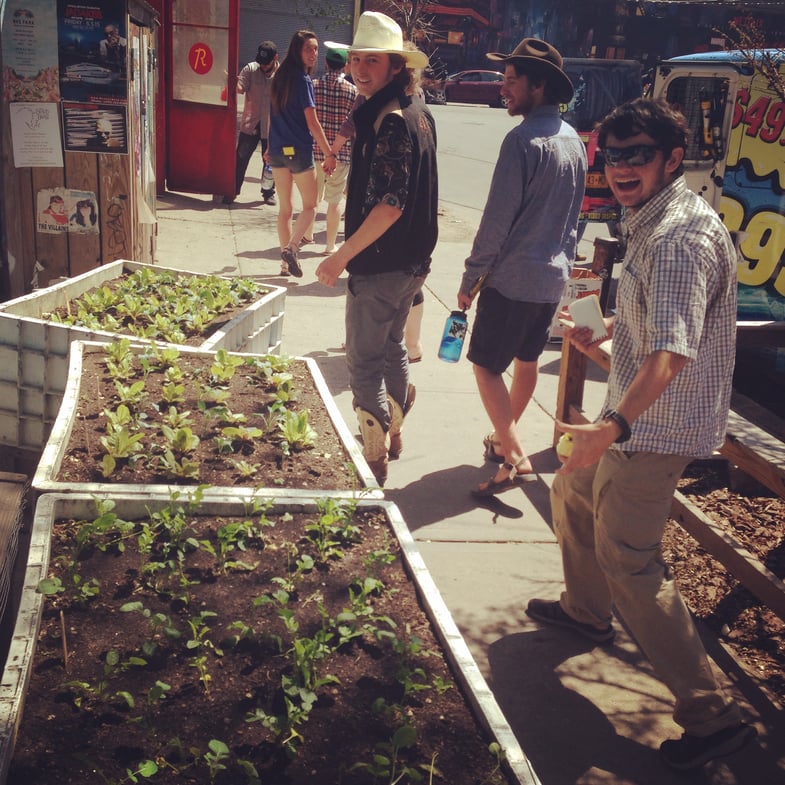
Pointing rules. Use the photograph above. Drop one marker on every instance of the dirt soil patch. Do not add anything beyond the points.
(756, 519)
(277, 648)
(251, 400)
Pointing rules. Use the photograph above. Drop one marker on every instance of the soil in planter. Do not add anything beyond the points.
(326, 621)
(260, 461)
(756, 519)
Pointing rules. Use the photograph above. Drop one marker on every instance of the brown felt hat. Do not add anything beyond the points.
(533, 50)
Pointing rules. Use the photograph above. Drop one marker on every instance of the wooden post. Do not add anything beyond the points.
(606, 251)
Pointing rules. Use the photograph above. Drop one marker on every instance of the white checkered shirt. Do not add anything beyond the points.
(677, 293)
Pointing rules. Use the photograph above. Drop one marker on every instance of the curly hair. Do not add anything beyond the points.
(654, 117)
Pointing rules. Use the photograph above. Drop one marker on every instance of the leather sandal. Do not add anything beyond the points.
(513, 479)
(490, 444)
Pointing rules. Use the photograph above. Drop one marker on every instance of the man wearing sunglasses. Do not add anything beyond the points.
(254, 82)
(667, 403)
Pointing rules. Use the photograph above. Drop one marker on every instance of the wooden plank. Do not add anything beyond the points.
(759, 415)
(756, 453)
(572, 377)
(84, 250)
(16, 200)
(763, 583)
(115, 207)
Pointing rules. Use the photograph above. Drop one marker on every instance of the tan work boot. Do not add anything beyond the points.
(396, 421)
(375, 444)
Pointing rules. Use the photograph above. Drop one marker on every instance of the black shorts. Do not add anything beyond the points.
(506, 329)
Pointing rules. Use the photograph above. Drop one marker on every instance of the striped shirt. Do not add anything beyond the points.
(334, 99)
(677, 293)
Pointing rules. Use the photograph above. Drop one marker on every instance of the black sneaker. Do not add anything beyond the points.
(550, 612)
(290, 257)
(270, 199)
(691, 752)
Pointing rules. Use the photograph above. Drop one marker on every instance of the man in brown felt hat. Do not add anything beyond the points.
(524, 249)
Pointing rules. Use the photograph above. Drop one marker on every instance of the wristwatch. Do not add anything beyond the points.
(621, 421)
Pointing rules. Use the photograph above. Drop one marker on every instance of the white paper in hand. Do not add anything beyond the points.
(586, 312)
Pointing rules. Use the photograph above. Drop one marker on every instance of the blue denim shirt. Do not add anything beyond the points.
(528, 232)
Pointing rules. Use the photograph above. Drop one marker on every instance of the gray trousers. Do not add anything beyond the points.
(376, 311)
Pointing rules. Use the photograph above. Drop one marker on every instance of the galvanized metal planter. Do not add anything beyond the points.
(34, 351)
(52, 507)
(45, 478)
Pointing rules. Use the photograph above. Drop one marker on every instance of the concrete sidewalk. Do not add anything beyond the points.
(582, 715)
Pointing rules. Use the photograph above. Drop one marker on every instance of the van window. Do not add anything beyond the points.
(600, 85)
(702, 101)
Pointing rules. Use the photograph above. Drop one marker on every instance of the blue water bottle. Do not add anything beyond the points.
(268, 183)
(452, 339)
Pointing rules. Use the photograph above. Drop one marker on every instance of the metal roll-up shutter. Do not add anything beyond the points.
(277, 21)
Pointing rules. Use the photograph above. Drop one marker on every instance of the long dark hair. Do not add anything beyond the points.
(289, 71)
(79, 218)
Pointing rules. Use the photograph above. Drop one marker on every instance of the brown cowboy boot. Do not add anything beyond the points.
(375, 442)
(396, 421)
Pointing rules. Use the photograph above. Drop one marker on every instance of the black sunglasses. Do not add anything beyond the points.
(635, 155)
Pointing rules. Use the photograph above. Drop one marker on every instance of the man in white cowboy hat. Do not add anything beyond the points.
(390, 230)
(524, 249)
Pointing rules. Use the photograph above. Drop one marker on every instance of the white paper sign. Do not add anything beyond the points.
(35, 131)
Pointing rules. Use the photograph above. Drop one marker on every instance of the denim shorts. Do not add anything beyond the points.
(301, 161)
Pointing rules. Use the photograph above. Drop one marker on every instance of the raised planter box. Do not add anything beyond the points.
(56, 448)
(52, 507)
(34, 351)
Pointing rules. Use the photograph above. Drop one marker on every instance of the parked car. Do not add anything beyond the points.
(475, 87)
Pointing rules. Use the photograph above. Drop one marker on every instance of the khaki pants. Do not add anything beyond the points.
(609, 520)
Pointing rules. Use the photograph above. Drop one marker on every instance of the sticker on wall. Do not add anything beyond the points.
(35, 134)
(93, 128)
(93, 51)
(60, 210)
(52, 211)
(29, 43)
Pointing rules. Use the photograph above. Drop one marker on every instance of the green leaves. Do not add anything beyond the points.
(159, 304)
(296, 431)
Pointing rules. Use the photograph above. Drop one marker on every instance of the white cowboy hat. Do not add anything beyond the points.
(378, 33)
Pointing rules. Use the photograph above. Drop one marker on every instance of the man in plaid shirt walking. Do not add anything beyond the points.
(334, 97)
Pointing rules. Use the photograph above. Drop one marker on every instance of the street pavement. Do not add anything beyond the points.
(583, 715)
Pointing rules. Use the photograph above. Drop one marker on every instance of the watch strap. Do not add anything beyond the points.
(621, 421)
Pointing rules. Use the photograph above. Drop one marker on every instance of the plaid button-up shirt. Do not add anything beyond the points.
(334, 97)
(677, 293)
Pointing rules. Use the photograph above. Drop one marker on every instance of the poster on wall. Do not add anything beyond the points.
(35, 134)
(95, 128)
(93, 51)
(60, 210)
(29, 43)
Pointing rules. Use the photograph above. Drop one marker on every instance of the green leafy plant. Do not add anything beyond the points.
(244, 468)
(225, 366)
(387, 765)
(296, 431)
(158, 304)
(132, 394)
